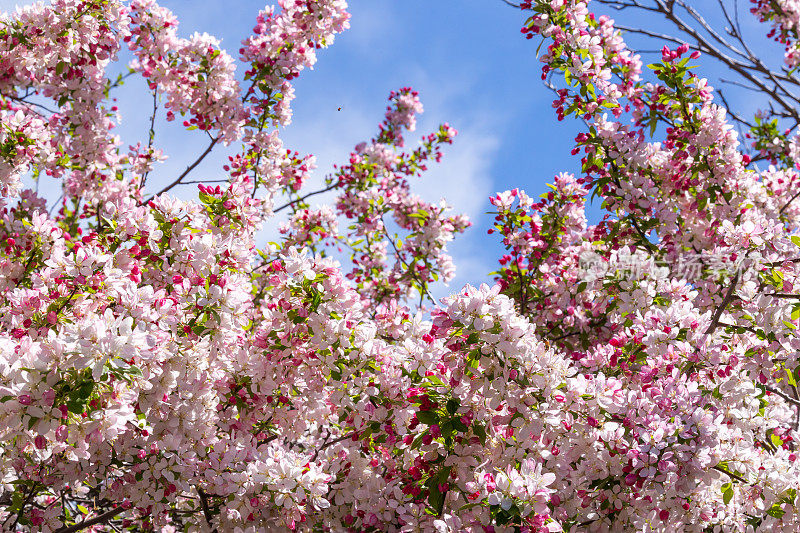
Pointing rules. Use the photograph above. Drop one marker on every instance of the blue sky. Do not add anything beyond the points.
(472, 68)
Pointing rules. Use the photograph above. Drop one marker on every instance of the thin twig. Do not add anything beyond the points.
(746, 64)
(792, 199)
(786, 397)
(27, 103)
(291, 203)
(186, 172)
(331, 443)
(34, 489)
(151, 134)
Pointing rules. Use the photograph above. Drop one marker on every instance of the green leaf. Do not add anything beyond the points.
(469, 506)
(85, 390)
(417, 441)
(444, 474)
(792, 380)
(775, 511)
(428, 417)
(447, 429)
(435, 380)
(453, 405)
(480, 432)
(435, 498)
(727, 493)
(458, 425)
(796, 239)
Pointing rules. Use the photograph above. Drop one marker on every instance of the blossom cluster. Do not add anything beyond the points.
(196, 77)
(160, 370)
(784, 17)
(688, 351)
(60, 54)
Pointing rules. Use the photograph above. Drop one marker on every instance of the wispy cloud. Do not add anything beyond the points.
(341, 102)
(464, 180)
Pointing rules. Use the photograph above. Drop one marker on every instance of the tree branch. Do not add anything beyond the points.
(725, 302)
(186, 172)
(206, 509)
(331, 443)
(309, 195)
(737, 477)
(786, 397)
(108, 515)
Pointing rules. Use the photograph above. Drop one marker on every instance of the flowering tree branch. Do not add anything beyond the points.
(100, 519)
(155, 357)
(189, 168)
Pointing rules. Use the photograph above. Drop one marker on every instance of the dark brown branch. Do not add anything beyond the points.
(782, 295)
(737, 477)
(331, 443)
(105, 517)
(186, 172)
(745, 63)
(151, 135)
(206, 509)
(725, 302)
(27, 103)
(309, 195)
(735, 116)
(786, 397)
(792, 199)
(34, 489)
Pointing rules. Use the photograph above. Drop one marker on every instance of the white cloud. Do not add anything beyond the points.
(463, 178)
(332, 116)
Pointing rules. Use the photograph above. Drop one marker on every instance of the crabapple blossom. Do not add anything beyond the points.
(162, 370)
(784, 17)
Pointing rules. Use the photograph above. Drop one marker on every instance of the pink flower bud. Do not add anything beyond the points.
(49, 397)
